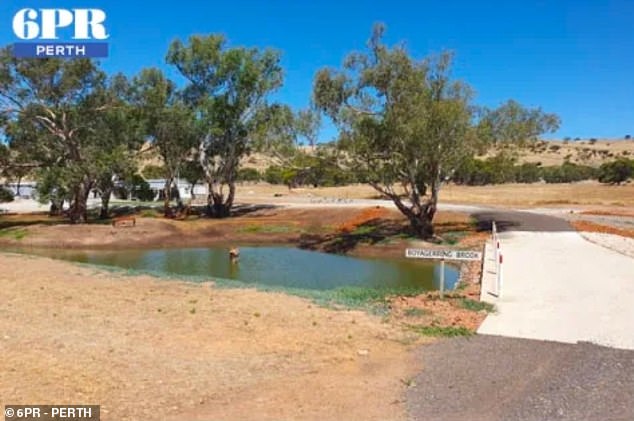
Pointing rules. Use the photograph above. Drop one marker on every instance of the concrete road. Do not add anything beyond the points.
(558, 286)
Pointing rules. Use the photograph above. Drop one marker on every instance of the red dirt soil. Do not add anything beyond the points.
(604, 229)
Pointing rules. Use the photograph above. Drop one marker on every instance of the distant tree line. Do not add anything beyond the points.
(499, 169)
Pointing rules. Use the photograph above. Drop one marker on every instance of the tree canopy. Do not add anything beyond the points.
(406, 125)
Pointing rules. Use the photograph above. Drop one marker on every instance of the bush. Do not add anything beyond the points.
(137, 187)
(568, 173)
(143, 192)
(616, 172)
(273, 175)
(527, 173)
(6, 195)
(249, 174)
(593, 141)
(628, 137)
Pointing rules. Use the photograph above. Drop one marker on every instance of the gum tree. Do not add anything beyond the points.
(406, 125)
(53, 105)
(228, 88)
(167, 122)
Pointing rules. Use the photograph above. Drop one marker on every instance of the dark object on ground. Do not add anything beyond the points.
(520, 221)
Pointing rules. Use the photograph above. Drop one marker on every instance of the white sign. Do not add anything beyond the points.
(443, 254)
(43, 24)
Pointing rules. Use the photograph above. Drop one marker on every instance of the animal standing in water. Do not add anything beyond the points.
(234, 254)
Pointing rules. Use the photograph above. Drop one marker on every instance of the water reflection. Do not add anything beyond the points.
(281, 266)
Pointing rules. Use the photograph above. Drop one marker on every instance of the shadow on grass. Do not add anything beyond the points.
(242, 210)
(370, 232)
(25, 220)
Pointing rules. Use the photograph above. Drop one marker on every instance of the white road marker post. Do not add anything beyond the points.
(442, 278)
(495, 241)
(500, 276)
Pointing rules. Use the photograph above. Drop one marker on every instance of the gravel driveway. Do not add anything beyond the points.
(491, 378)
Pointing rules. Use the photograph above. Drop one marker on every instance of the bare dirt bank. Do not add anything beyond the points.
(318, 229)
(153, 350)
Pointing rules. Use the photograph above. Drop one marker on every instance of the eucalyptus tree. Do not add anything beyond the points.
(168, 123)
(406, 125)
(56, 103)
(119, 136)
(229, 90)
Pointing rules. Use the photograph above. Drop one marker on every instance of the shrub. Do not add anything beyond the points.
(137, 186)
(527, 173)
(628, 137)
(273, 175)
(249, 174)
(6, 195)
(568, 173)
(616, 172)
(593, 141)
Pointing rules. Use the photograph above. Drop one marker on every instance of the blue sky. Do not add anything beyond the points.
(573, 58)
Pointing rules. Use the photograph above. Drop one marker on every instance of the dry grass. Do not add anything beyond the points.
(147, 350)
(538, 194)
(584, 193)
(583, 152)
(617, 212)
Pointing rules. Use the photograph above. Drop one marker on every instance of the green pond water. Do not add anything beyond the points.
(272, 266)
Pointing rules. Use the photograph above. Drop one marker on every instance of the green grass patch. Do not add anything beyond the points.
(150, 213)
(442, 331)
(269, 229)
(474, 305)
(363, 230)
(453, 237)
(15, 233)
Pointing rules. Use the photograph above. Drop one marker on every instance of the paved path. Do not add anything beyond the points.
(491, 378)
(558, 286)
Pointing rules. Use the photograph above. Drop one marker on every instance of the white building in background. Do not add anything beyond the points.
(24, 189)
(184, 189)
(27, 190)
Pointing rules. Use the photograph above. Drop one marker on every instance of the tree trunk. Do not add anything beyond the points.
(56, 208)
(422, 224)
(167, 193)
(420, 215)
(105, 201)
(217, 205)
(79, 207)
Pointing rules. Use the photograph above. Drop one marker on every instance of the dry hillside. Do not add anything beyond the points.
(583, 151)
(548, 152)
